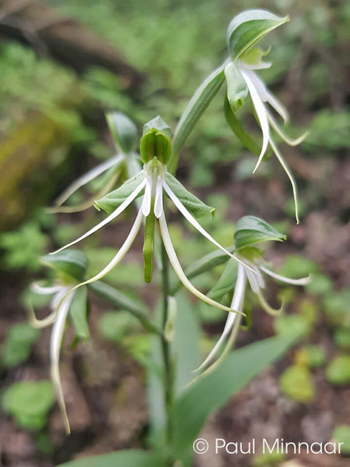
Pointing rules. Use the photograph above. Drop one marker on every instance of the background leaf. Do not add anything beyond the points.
(131, 458)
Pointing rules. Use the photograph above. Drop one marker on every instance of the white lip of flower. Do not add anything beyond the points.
(154, 184)
(60, 305)
(260, 96)
(257, 284)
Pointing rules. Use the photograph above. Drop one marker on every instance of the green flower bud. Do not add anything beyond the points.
(156, 141)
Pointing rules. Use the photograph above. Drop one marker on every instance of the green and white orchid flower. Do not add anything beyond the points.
(153, 182)
(124, 162)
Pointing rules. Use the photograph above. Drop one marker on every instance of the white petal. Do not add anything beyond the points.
(88, 177)
(40, 290)
(112, 216)
(178, 269)
(268, 308)
(259, 66)
(146, 203)
(253, 282)
(42, 323)
(158, 203)
(115, 261)
(280, 132)
(290, 176)
(287, 280)
(261, 114)
(187, 215)
(55, 348)
(236, 304)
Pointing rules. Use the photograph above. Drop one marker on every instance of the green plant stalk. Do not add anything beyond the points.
(166, 350)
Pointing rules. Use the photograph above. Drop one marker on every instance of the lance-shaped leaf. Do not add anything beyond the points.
(79, 311)
(237, 89)
(124, 302)
(126, 458)
(113, 200)
(251, 230)
(227, 281)
(194, 110)
(72, 263)
(210, 392)
(123, 131)
(196, 207)
(247, 28)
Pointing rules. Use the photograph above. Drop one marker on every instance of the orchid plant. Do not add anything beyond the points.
(149, 183)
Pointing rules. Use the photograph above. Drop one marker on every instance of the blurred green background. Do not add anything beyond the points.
(63, 65)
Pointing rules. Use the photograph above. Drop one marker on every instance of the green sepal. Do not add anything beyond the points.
(194, 110)
(254, 56)
(251, 253)
(148, 246)
(237, 90)
(251, 230)
(114, 199)
(196, 207)
(123, 130)
(72, 264)
(118, 299)
(247, 28)
(79, 314)
(227, 281)
(156, 141)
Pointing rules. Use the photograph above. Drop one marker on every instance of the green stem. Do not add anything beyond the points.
(166, 351)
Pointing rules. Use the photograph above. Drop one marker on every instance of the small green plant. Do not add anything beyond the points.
(18, 344)
(338, 371)
(296, 383)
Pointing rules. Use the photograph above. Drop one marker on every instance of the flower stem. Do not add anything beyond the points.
(166, 351)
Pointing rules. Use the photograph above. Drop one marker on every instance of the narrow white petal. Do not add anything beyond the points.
(187, 215)
(55, 348)
(261, 114)
(114, 262)
(50, 319)
(88, 177)
(290, 176)
(287, 280)
(146, 203)
(158, 203)
(112, 216)
(268, 308)
(178, 269)
(237, 300)
(253, 282)
(259, 66)
(280, 132)
(277, 105)
(40, 290)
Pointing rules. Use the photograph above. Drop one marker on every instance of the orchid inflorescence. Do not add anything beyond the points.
(150, 181)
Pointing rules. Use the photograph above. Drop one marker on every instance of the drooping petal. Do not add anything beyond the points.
(89, 202)
(88, 177)
(112, 216)
(187, 215)
(237, 300)
(115, 261)
(287, 280)
(290, 176)
(40, 290)
(261, 114)
(50, 319)
(280, 132)
(268, 308)
(178, 269)
(158, 203)
(55, 348)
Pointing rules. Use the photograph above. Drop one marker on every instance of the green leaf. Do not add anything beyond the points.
(247, 28)
(296, 383)
(212, 391)
(79, 311)
(239, 131)
(191, 202)
(313, 356)
(251, 230)
(237, 89)
(124, 302)
(72, 263)
(123, 131)
(19, 341)
(114, 325)
(341, 435)
(29, 403)
(227, 281)
(194, 110)
(338, 372)
(130, 458)
(113, 200)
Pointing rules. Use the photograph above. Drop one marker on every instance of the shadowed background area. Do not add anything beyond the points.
(63, 65)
